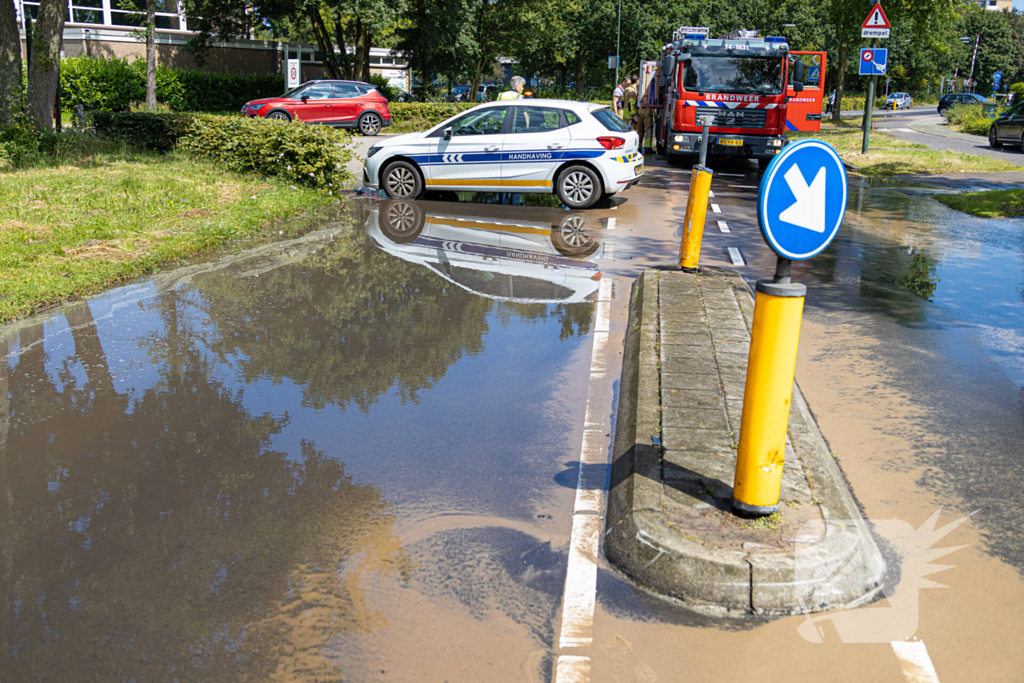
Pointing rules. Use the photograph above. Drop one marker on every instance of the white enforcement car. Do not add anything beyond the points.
(581, 151)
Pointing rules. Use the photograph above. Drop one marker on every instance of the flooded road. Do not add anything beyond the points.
(351, 453)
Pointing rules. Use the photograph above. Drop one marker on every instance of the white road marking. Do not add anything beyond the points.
(610, 224)
(905, 130)
(711, 193)
(744, 187)
(914, 660)
(736, 256)
(572, 669)
(732, 175)
(723, 226)
(580, 593)
(716, 208)
(609, 251)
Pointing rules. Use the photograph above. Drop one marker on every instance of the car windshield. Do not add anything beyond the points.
(709, 73)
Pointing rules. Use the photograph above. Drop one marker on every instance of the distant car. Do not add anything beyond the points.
(898, 100)
(578, 150)
(342, 104)
(947, 101)
(1008, 129)
(458, 93)
(483, 249)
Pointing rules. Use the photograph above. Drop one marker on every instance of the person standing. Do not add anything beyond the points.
(617, 96)
(516, 93)
(629, 101)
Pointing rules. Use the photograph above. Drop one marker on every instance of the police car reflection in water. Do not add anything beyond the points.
(527, 259)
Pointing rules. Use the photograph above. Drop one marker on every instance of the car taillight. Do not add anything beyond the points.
(611, 143)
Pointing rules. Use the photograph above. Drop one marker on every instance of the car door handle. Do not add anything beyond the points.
(492, 148)
(556, 145)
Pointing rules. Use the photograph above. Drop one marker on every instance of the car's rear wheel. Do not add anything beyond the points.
(369, 124)
(402, 180)
(943, 110)
(401, 221)
(279, 116)
(993, 137)
(579, 187)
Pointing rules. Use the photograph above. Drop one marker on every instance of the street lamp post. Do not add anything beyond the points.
(618, 45)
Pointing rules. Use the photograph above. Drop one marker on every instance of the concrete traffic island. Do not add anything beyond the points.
(670, 527)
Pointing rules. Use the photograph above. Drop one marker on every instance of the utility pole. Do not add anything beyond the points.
(869, 104)
(618, 46)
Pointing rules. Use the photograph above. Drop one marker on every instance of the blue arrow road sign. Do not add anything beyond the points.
(873, 61)
(997, 76)
(802, 199)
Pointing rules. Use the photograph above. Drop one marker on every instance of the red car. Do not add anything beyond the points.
(344, 104)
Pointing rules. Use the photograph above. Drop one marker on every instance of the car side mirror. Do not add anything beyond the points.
(305, 99)
(798, 76)
(447, 133)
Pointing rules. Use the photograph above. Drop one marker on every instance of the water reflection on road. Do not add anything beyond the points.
(302, 461)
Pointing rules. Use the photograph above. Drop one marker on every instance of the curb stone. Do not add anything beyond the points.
(643, 545)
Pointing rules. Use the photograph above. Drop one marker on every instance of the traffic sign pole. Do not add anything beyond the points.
(771, 369)
(869, 104)
(801, 204)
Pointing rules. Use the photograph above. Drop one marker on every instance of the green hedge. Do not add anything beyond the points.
(407, 117)
(115, 84)
(305, 154)
(969, 118)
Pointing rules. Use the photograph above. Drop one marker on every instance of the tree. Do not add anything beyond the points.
(44, 70)
(10, 64)
(151, 55)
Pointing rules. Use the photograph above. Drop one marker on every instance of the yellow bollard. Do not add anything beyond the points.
(771, 368)
(696, 212)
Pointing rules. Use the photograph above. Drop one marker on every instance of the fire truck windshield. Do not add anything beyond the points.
(713, 73)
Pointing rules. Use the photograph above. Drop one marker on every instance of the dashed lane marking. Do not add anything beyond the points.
(609, 250)
(580, 594)
(914, 660)
(611, 223)
(716, 208)
(711, 193)
(736, 257)
(723, 226)
(744, 187)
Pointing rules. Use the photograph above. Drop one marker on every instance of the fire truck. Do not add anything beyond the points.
(743, 81)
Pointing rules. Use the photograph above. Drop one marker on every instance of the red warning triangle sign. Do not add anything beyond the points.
(877, 18)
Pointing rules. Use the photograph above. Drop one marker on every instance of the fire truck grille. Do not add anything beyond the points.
(735, 118)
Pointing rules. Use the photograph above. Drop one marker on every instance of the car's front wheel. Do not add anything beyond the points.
(279, 116)
(579, 187)
(570, 238)
(943, 110)
(993, 138)
(402, 180)
(400, 221)
(369, 124)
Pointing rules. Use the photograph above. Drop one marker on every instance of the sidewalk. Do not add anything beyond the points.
(670, 526)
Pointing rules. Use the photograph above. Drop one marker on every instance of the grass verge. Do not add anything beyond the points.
(890, 156)
(989, 204)
(73, 229)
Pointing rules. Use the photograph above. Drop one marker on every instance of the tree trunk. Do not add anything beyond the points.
(323, 41)
(362, 61)
(581, 62)
(837, 108)
(10, 64)
(363, 46)
(346, 61)
(47, 39)
(150, 55)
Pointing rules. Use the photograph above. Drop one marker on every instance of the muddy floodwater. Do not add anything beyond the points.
(333, 457)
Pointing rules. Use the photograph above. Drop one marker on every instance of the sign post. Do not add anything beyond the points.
(801, 204)
(875, 26)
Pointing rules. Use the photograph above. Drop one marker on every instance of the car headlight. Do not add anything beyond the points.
(256, 107)
(373, 150)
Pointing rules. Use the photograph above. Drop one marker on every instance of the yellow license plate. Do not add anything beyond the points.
(728, 142)
(638, 169)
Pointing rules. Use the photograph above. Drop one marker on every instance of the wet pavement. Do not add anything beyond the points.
(350, 453)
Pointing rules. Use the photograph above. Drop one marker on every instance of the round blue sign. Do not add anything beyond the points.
(802, 199)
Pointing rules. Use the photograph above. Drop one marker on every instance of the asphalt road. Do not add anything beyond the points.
(351, 453)
(931, 130)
